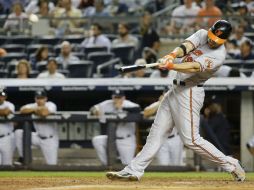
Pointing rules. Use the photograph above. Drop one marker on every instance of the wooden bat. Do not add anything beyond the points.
(131, 68)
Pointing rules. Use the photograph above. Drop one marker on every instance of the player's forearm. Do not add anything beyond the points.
(5, 112)
(187, 67)
(43, 112)
(149, 111)
(27, 110)
(183, 49)
(95, 110)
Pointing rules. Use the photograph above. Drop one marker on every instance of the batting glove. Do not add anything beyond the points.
(167, 58)
(167, 61)
(167, 66)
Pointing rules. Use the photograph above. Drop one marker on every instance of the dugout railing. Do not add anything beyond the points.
(110, 120)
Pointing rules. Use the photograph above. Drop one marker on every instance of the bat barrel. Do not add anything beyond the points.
(131, 68)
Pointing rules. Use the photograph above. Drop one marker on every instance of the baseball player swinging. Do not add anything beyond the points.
(195, 60)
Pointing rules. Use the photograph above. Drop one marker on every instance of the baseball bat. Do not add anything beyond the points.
(131, 68)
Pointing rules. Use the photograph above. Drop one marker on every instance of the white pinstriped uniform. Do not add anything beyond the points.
(7, 139)
(125, 134)
(181, 107)
(49, 145)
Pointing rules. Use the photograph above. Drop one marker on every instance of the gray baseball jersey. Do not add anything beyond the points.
(209, 59)
(181, 107)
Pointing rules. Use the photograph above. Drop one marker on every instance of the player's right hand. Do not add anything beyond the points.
(166, 59)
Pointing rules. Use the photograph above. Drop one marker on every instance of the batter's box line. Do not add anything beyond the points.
(106, 187)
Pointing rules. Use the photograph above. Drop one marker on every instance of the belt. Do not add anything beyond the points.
(120, 138)
(2, 136)
(43, 137)
(171, 136)
(183, 83)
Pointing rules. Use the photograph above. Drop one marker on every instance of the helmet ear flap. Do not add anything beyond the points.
(222, 29)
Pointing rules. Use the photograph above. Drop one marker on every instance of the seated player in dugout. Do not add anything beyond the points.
(6, 130)
(125, 131)
(46, 133)
(172, 150)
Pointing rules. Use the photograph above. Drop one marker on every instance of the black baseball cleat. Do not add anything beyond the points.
(238, 173)
(19, 162)
(122, 176)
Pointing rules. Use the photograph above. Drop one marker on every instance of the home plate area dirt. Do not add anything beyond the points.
(101, 183)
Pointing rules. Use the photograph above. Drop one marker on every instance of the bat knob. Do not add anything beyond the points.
(120, 69)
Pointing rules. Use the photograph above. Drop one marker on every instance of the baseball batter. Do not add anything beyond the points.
(6, 131)
(46, 135)
(195, 60)
(125, 132)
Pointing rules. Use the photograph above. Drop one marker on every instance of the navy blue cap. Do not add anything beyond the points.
(215, 99)
(40, 94)
(118, 93)
(2, 93)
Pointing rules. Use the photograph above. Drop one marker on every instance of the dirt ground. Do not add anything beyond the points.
(95, 183)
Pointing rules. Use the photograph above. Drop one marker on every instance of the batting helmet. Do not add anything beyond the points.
(220, 31)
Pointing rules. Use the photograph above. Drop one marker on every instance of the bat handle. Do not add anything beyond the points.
(152, 65)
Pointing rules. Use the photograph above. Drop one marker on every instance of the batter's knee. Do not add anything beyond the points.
(192, 142)
(188, 142)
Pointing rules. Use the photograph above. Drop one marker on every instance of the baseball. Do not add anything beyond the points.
(33, 18)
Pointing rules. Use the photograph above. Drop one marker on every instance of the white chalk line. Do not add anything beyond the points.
(83, 187)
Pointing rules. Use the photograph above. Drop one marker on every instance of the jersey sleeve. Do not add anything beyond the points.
(198, 38)
(51, 107)
(103, 106)
(174, 15)
(209, 63)
(129, 104)
(212, 60)
(11, 107)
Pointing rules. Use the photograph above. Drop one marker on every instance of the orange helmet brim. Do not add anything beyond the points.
(215, 38)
